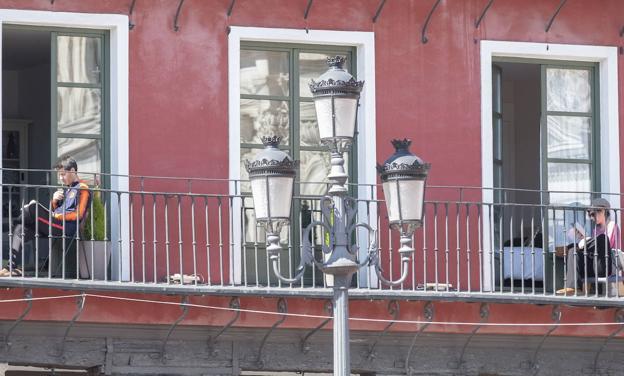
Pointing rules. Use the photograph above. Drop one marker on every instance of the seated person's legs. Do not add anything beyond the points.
(31, 220)
(574, 263)
(596, 252)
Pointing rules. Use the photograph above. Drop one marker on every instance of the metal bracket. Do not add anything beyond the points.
(552, 18)
(393, 310)
(378, 12)
(80, 302)
(28, 297)
(185, 310)
(556, 318)
(176, 27)
(423, 34)
(428, 313)
(487, 7)
(230, 8)
(306, 13)
(130, 24)
(484, 313)
(619, 318)
(235, 305)
(329, 308)
(281, 308)
(307, 10)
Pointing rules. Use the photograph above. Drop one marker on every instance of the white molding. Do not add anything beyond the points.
(365, 45)
(607, 59)
(118, 26)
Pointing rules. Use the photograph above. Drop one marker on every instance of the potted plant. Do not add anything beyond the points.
(95, 245)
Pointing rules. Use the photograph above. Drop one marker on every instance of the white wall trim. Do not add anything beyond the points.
(119, 49)
(365, 45)
(607, 59)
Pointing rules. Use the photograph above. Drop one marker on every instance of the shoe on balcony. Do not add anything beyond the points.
(569, 291)
(6, 272)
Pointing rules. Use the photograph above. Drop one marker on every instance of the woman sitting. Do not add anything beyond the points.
(589, 258)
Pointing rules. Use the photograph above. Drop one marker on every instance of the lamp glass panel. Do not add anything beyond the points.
(345, 112)
(277, 199)
(392, 202)
(411, 194)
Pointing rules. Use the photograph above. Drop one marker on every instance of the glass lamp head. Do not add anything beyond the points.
(404, 177)
(336, 95)
(272, 175)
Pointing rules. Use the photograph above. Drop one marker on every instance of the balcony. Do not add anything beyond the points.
(198, 236)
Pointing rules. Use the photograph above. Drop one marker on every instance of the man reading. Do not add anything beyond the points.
(69, 206)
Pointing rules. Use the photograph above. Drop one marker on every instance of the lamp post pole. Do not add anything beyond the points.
(272, 173)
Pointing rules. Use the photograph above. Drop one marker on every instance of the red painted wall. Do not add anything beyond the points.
(428, 92)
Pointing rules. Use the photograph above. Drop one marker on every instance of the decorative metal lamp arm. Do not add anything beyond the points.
(307, 253)
(297, 277)
(406, 251)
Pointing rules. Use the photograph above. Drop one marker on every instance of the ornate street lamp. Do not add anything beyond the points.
(404, 177)
(272, 172)
(272, 175)
(336, 96)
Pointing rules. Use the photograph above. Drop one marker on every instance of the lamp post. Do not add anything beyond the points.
(272, 172)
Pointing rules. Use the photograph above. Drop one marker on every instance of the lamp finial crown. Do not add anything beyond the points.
(272, 141)
(400, 145)
(336, 62)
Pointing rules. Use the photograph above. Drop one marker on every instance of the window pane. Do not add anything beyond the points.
(264, 72)
(86, 152)
(308, 127)
(79, 110)
(79, 59)
(311, 66)
(569, 180)
(247, 154)
(264, 118)
(568, 90)
(569, 137)
(314, 167)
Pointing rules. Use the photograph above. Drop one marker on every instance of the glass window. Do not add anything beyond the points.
(276, 100)
(79, 92)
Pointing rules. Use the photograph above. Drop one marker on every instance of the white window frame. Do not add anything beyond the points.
(364, 42)
(607, 59)
(117, 25)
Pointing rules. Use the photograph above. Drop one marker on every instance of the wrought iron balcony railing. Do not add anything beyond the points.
(199, 236)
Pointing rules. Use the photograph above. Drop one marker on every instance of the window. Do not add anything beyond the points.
(111, 30)
(275, 100)
(79, 79)
(569, 126)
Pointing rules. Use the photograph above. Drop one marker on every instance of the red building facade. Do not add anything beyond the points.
(175, 104)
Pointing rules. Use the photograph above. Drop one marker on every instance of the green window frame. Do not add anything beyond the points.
(100, 140)
(592, 116)
(298, 104)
